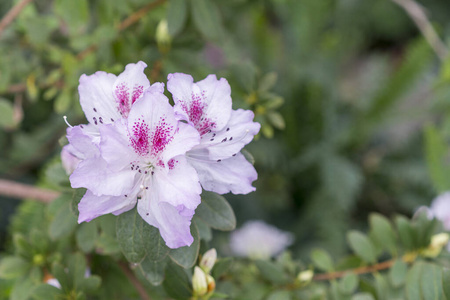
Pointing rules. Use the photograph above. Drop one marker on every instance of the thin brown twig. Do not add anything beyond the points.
(134, 281)
(407, 258)
(24, 191)
(418, 15)
(12, 14)
(133, 18)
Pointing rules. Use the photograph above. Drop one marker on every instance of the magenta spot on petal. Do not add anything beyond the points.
(140, 138)
(171, 163)
(161, 136)
(137, 92)
(122, 98)
(197, 115)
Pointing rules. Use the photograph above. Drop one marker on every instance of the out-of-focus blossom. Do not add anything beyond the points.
(258, 240)
(440, 208)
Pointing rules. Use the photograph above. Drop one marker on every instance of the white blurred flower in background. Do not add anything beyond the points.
(259, 240)
(440, 208)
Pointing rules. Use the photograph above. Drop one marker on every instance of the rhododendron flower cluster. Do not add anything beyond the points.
(139, 150)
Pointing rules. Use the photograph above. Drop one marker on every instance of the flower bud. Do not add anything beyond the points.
(163, 38)
(438, 241)
(199, 283)
(211, 283)
(305, 276)
(208, 260)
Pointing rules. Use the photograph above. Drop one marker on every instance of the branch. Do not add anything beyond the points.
(407, 258)
(134, 281)
(133, 18)
(12, 14)
(22, 191)
(417, 14)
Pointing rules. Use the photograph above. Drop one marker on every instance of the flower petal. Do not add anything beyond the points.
(173, 222)
(234, 174)
(206, 104)
(180, 185)
(92, 206)
(95, 175)
(155, 131)
(130, 86)
(114, 146)
(82, 141)
(96, 97)
(239, 131)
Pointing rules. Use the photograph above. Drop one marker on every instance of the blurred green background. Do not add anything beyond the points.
(349, 94)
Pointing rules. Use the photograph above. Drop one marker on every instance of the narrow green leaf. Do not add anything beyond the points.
(397, 274)
(13, 266)
(322, 260)
(90, 284)
(207, 19)
(187, 256)
(76, 198)
(362, 246)
(446, 282)
(381, 286)
(216, 212)
(363, 296)
(176, 16)
(383, 232)
(204, 230)
(276, 119)
(272, 272)
(267, 82)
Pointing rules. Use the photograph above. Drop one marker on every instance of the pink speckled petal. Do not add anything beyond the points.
(130, 86)
(96, 97)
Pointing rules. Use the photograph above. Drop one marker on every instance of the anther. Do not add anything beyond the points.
(95, 109)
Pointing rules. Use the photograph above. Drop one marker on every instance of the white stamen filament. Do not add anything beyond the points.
(65, 120)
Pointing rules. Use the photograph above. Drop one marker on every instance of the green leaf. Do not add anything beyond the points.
(86, 236)
(397, 274)
(383, 232)
(22, 289)
(431, 282)
(207, 19)
(276, 119)
(221, 267)
(362, 246)
(177, 284)
(348, 283)
(405, 232)
(76, 198)
(267, 82)
(153, 270)
(46, 291)
(322, 260)
(412, 288)
(64, 222)
(272, 272)
(436, 153)
(363, 296)
(204, 230)
(248, 156)
(176, 16)
(216, 212)
(445, 282)
(130, 234)
(280, 295)
(12, 267)
(6, 114)
(74, 13)
(90, 284)
(187, 256)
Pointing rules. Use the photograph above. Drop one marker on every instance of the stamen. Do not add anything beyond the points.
(65, 120)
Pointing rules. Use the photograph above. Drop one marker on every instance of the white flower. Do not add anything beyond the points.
(258, 240)
(440, 208)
